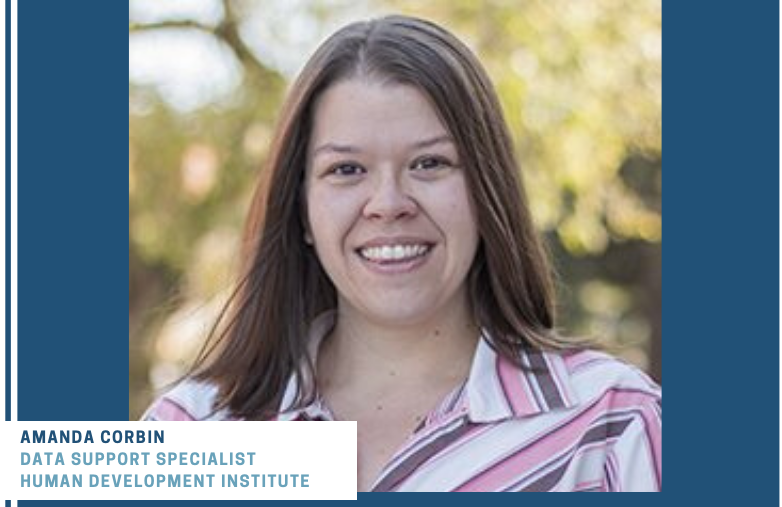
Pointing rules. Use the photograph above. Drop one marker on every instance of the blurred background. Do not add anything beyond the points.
(581, 84)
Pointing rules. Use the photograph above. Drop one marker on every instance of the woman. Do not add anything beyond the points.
(393, 277)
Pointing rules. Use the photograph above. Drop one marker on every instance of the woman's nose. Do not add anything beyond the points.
(389, 200)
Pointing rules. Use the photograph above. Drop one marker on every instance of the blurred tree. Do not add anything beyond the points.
(581, 86)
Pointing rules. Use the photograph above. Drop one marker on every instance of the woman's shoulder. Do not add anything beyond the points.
(188, 400)
(595, 375)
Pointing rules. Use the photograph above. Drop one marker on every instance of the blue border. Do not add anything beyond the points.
(72, 155)
(721, 261)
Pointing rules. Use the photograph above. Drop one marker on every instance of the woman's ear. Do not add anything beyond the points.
(308, 236)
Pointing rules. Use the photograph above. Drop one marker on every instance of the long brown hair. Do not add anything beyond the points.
(262, 333)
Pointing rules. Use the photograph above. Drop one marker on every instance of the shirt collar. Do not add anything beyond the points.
(496, 389)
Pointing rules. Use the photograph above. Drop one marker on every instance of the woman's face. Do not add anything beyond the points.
(387, 203)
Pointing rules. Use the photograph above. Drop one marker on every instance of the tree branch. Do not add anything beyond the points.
(173, 24)
(227, 32)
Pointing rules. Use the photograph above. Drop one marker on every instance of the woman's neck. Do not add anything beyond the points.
(378, 357)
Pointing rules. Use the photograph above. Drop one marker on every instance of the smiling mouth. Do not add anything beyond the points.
(394, 254)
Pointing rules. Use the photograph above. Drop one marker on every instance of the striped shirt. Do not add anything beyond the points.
(581, 421)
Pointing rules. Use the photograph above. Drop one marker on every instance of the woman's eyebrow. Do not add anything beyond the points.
(443, 138)
(346, 148)
(335, 148)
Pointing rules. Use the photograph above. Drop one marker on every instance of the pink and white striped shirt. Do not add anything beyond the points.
(581, 421)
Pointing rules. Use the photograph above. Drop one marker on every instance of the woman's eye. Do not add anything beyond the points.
(429, 163)
(346, 170)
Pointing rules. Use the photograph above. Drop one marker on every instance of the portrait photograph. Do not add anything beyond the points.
(441, 220)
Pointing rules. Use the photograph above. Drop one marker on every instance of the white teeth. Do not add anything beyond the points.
(393, 252)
